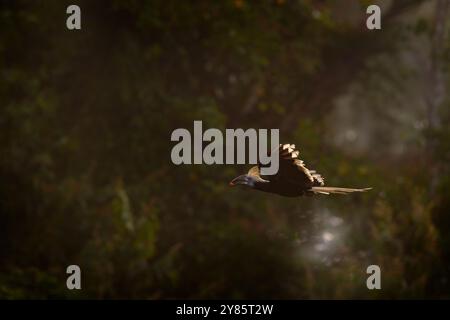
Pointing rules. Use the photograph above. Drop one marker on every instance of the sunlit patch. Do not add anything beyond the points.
(351, 135)
(327, 236)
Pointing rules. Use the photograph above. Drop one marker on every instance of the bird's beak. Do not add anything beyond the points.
(238, 180)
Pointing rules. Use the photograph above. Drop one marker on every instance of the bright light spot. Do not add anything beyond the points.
(351, 135)
(316, 14)
(327, 236)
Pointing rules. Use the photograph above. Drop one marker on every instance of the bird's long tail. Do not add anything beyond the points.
(329, 190)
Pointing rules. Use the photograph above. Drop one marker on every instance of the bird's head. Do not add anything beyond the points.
(245, 180)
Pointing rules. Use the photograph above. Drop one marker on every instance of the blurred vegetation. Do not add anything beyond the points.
(85, 170)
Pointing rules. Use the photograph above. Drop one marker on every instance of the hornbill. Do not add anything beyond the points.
(293, 179)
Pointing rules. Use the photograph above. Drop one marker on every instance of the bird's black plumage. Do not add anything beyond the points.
(293, 179)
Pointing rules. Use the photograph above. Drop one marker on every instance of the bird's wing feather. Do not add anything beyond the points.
(292, 169)
(254, 171)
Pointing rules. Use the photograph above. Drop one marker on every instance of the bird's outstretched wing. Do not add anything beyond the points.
(292, 170)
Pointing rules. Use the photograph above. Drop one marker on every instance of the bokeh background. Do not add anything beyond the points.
(85, 170)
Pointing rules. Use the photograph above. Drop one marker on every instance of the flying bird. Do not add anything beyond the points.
(293, 179)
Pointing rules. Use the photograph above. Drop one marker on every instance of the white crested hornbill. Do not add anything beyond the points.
(293, 179)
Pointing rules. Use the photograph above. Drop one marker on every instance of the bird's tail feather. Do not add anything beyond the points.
(337, 190)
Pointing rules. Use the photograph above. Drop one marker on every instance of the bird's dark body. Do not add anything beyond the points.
(293, 179)
(281, 188)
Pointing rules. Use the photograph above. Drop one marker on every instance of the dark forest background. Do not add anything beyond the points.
(85, 170)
